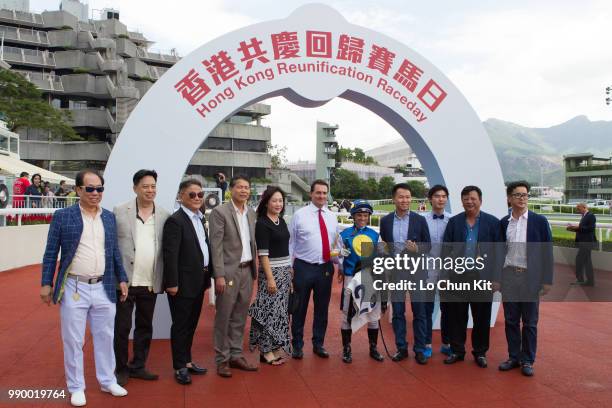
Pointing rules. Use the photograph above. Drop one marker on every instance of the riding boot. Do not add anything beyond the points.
(347, 356)
(373, 339)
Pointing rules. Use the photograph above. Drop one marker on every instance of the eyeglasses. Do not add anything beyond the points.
(520, 195)
(193, 195)
(90, 189)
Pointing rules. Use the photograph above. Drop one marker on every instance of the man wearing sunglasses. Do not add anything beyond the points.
(89, 273)
(139, 230)
(187, 272)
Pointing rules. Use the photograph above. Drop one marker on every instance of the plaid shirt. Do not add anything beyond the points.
(65, 233)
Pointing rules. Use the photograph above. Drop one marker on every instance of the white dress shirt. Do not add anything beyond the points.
(196, 220)
(516, 239)
(305, 241)
(144, 253)
(89, 258)
(245, 233)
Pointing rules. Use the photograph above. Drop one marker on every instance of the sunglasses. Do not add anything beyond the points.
(193, 195)
(90, 189)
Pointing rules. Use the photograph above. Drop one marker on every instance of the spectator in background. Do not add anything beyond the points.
(71, 197)
(61, 193)
(62, 190)
(19, 189)
(221, 183)
(35, 191)
(585, 241)
(48, 198)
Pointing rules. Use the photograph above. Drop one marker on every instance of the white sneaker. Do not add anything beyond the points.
(77, 399)
(116, 390)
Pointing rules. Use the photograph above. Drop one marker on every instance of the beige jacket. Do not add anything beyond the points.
(226, 245)
(125, 214)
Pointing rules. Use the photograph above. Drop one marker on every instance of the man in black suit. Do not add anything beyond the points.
(187, 272)
(585, 241)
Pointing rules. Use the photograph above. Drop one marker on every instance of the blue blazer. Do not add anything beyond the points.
(418, 231)
(489, 238)
(539, 255)
(65, 234)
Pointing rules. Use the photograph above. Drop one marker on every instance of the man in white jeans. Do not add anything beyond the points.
(86, 284)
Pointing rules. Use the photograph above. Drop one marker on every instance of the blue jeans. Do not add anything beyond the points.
(419, 325)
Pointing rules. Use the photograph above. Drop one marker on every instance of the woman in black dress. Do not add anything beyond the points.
(269, 315)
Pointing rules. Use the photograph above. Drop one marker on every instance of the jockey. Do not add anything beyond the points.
(355, 240)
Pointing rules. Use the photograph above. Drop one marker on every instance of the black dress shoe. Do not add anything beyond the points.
(401, 354)
(590, 284)
(481, 361)
(196, 369)
(527, 370)
(508, 365)
(143, 374)
(453, 358)
(122, 377)
(182, 376)
(297, 354)
(320, 351)
(578, 282)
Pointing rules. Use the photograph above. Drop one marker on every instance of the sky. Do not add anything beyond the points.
(536, 64)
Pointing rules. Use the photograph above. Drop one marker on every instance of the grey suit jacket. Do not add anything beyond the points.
(126, 235)
(226, 245)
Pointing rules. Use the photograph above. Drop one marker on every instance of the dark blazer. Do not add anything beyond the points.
(586, 228)
(65, 234)
(540, 260)
(418, 231)
(489, 237)
(183, 258)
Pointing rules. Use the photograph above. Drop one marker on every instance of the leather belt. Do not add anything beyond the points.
(517, 269)
(83, 279)
(244, 264)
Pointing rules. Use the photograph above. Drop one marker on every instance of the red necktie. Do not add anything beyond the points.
(324, 237)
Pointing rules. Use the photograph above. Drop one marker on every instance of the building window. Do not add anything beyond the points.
(217, 143)
(245, 145)
(251, 172)
(208, 171)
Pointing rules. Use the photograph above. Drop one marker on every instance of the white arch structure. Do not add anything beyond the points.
(165, 129)
(311, 57)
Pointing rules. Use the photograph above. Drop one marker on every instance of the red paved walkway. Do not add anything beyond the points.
(574, 367)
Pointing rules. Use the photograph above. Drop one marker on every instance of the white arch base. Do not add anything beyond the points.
(342, 60)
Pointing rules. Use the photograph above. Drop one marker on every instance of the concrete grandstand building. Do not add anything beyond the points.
(98, 70)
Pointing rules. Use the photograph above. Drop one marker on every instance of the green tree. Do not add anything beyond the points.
(370, 189)
(385, 186)
(23, 106)
(418, 188)
(356, 155)
(345, 184)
